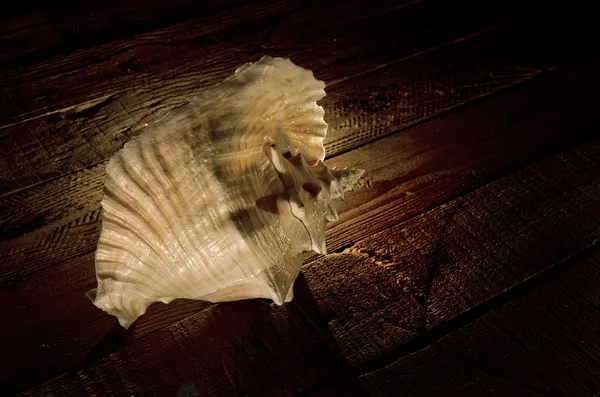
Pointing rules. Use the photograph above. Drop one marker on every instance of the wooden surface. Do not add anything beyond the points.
(465, 264)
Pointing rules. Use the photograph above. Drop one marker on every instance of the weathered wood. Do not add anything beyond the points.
(426, 293)
(452, 258)
(407, 173)
(53, 29)
(544, 342)
(74, 275)
(92, 326)
(85, 136)
(92, 74)
(432, 174)
(365, 303)
(127, 18)
(198, 49)
(358, 110)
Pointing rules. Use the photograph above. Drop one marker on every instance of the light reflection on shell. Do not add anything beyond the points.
(219, 202)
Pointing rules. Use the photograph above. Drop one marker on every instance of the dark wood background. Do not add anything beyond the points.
(466, 264)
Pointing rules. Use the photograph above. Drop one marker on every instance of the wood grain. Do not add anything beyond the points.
(471, 69)
(60, 29)
(462, 161)
(365, 303)
(194, 48)
(308, 332)
(359, 109)
(542, 339)
(430, 174)
(87, 135)
(466, 262)
(455, 256)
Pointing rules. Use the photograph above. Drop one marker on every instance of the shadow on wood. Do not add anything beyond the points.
(289, 343)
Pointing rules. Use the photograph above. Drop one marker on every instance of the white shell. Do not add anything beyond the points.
(219, 202)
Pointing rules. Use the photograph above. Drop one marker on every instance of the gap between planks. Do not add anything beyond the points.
(383, 194)
(457, 323)
(188, 37)
(345, 110)
(77, 143)
(466, 119)
(542, 341)
(568, 235)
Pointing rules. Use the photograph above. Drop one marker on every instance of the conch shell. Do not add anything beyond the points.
(223, 200)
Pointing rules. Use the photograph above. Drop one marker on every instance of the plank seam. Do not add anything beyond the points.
(460, 321)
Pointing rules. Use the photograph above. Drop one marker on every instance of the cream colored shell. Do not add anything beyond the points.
(223, 200)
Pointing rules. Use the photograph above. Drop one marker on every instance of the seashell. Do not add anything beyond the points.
(224, 199)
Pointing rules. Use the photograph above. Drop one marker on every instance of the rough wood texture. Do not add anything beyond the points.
(65, 226)
(63, 29)
(427, 186)
(454, 263)
(85, 134)
(363, 304)
(536, 343)
(126, 65)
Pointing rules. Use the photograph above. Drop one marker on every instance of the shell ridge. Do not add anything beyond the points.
(223, 199)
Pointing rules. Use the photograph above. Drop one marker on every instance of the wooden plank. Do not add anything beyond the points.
(433, 173)
(43, 206)
(363, 304)
(544, 342)
(193, 47)
(41, 30)
(79, 141)
(452, 257)
(404, 93)
(211, 45)
(55, 29)
(463, 161)
(58, 221)
(71, 80)
(82, 346)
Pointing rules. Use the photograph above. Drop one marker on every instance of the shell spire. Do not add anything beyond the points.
(219, 202)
